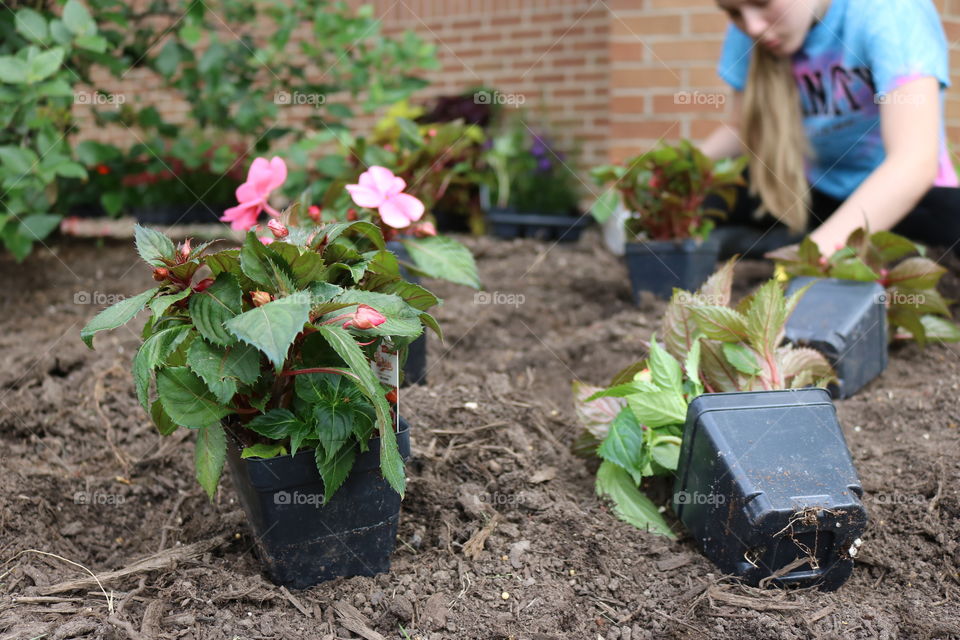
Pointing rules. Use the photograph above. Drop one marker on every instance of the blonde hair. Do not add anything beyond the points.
(775, 140)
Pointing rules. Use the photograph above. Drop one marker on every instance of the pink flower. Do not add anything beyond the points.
(278, 229)
(365, 317)
(380, 189)
(265, 239)
(314, 212)
(264, 176)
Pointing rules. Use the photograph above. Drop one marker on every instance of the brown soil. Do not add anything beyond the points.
(85, 476)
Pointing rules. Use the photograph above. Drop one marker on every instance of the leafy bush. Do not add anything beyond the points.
(664, 190)
(915, 310)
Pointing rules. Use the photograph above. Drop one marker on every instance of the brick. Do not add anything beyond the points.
(644, 77)
(713, 22)
(640, 26)
(687, 50)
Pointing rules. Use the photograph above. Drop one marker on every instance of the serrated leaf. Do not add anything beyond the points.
(160, 304)
(741, 357)
(718, 374)
(161, 420)
(153, 246)
(626, 445)
(277, 424)
(209, 455)
(940, 329)
(664, 369)
(116, 315)
(444, 258)
(853, 268)
(214, 306)
(629, 504)
(265, 266)
(187, 399)
(766, 318)
(890, 246)
(272, 327)
(720, 323)
(391, 464)
(916, 273)
(691, 368)
(335, 469)
(658, 408)
(208, 362)
(337, 405)
(401, 318)
(595, 415)
(263, 450)
(151, 354)
(796, 361)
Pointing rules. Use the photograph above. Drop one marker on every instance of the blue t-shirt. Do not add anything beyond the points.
(860, 51)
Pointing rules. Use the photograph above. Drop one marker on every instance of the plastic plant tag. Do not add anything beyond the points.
(767, 487)
(846, 321)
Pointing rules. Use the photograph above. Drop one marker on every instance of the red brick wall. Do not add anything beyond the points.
(614, 75)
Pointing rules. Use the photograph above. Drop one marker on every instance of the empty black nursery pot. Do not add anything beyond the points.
(765, 480)
(508, 223)
(660, 266)
(302, 542)
(846, 321)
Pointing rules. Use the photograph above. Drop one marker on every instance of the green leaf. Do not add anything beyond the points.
(153, 246)
(335, 469)
(401, 318)
(741, 357)
(666, 454)
(276, 424)
(853, 269)
(31, 25)
(160, 304)
(691, 367)
(444, 258)
(152, 353)
(45, 64)
(666, 371)
(208, 362)
(940, 329)
(273, 327)
(13, 70)
(112, 201)
(77, 18)
(891, 246)
(38, 226)
(716, 370)
(626, 445)
(338, 407)
(658, 408)
(629, 504)
(265, 266)
(95, 43)
(186, 398)
(916, 273)
(161, 420)
(210, 453)
(766, 318)
(214, 306)
(605, 205)
(391, 464)
(720, 323)
(262, 450)
(116, 315)
(595, 415)
(18, 160)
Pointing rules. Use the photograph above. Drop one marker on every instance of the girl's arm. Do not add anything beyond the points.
(910, 125)
(725, 140)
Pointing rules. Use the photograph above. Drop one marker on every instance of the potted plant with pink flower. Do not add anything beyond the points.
(279, 355)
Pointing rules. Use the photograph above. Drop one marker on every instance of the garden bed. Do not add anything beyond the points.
(87, 477)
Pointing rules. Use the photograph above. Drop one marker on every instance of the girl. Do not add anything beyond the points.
(839, 104)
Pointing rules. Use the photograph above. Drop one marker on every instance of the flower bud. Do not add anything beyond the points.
(161, 273)
(365, 317)
(278, 229)
(314, 212)
(203, 284)
(351, 214)
(265, 239)
(424, 229)
(260, 298)
(185, 248)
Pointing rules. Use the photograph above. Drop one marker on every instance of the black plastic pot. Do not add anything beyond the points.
(765, 479)
(508, 223)
(415, 368)
(660, 266)
(302, 542)
(846, 321)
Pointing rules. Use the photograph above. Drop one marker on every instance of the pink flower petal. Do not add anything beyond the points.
(396, 186)
(279, 172)
(400, 210)
(260, 175)
(248, 192)
(242, 217)
(383, 179)
(265, 240)
(364, 196)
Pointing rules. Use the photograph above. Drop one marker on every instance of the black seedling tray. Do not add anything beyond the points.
(505, 223)
(660, 266)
